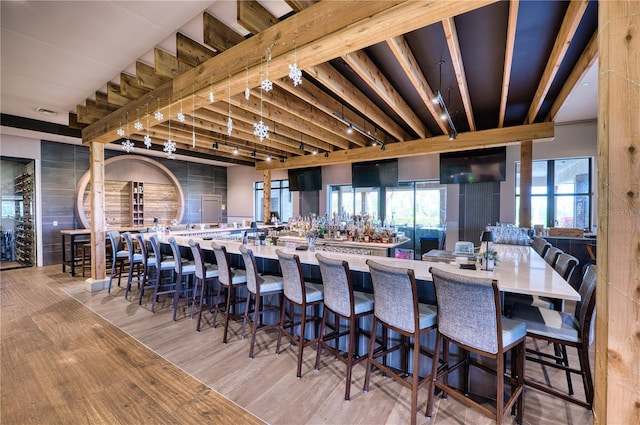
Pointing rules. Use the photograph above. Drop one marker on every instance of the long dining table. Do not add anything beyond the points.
(520, 269)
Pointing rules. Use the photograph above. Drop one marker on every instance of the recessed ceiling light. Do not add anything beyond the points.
(585, 84)
(46, 111)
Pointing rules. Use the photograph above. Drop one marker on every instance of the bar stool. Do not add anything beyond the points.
(231, 280)
(119, 256)
(159, 286)
(258, 287)
(469, 316)
(551, 256)
(206, 275)
(182, 269)
(396, 307)
(86, 258)
(343, 302)
(135, 262)
(297, 293)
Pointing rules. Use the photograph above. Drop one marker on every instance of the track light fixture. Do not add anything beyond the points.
(326, 154)
(383, 147)
(254, 154)
(301, 147)
(352, 126)
(235, 151)
(314, 152)
(282, 160)
(439, 100)
(215, 145)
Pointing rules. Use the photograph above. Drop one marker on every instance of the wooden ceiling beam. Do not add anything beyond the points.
(191, 52)
(320, 33)
(512, 24)
(147, 76)
(298, 5)
(363, 66)
(217, 34)
(91, 112)
(409, 64)
(254, 17)
(329, 77)
(572, 19)
(451, 34)
(244, 130)
(585, 61)
(130, 88)
(308, 113)
(167, 65)
(113, 95)
(102, 102)
(433, 145)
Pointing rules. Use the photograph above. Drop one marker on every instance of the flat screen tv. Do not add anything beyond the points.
(302, 179)
(382, 173)
(474, 166)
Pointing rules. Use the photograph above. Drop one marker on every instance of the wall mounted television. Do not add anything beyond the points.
(383, 173)
(474, 166)
(302, 179)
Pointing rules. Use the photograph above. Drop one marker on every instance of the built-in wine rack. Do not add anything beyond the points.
(137, 203)
(24, 223)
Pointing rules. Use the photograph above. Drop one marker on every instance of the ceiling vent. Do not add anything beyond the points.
(46, 111)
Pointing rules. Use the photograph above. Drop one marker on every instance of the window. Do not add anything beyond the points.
(281, 201)
(561, 192)
(417, 208)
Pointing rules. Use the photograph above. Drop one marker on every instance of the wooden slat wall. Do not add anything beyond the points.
(117, 198)
(160, 200)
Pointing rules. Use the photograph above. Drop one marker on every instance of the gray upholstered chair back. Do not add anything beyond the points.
(565, 265)
(155, 247)
(222, 258)
(338, 292)
(395, 296)
(198, 260)
(143, 247)
(540, 246)
(585, 308)
(468, 310)
(552, 255)
(293, 278)
(177, 258)
(130, 247)
(116, 241)
(251, 269)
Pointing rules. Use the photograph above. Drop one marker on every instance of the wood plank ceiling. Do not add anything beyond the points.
(503, 70)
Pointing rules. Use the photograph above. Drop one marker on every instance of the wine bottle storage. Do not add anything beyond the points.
(137, 203)
(24, 236)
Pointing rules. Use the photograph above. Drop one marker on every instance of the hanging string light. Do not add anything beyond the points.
(229, 120)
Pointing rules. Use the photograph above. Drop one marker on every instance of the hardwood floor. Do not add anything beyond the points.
(71, 356)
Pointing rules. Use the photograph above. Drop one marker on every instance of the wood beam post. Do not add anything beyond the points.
(617, 366)
(266, 208)
(98, 266)
(526, 179)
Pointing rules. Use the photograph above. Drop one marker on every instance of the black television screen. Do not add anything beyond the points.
(375, 173)
(302, 179)
(474, 166)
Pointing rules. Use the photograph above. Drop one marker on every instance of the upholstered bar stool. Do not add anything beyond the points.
(297, 293)
(258, 287)
(344, 303)
(119, 257)
(566, 330)
(469, 316)
(396, 308)
(183, 271)
(136, 264)
(148, 260)
(160, 285)
(552, 255)
(205, 277)
(540, 246)
(231, 280)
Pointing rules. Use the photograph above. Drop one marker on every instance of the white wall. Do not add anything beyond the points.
(19, 147)
(570, 141)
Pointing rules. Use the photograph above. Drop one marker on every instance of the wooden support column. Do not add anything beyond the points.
(266, 208)
(617, 367)
(98, 264)
(526, 179)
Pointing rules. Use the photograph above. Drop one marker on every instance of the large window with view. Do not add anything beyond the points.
(281, 202)
(561, 192)
(416, 208)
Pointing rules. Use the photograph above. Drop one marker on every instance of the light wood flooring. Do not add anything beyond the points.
(71, 356)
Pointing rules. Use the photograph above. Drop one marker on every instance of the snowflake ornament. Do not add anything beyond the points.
(229, 126)
(261, 130)
(181, 117)
(211, 97)
(127, 146)
(147, 141)
(158, 115)
(169, 147)
(295, 74)
(266, 85)
(137, 125)
(120, 132)
(247, 93)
